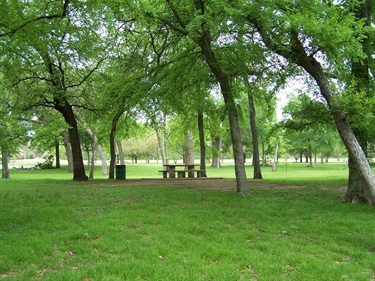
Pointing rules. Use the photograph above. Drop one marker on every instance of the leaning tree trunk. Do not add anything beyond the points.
(347, 135)
(229, 100)
(360, 72)
(202, 144)
(78, 167)
(298, 55)
(254, 132)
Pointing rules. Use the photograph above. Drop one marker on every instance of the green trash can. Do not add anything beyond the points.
(120, 172)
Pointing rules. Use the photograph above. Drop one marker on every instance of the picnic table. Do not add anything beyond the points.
(189, 169)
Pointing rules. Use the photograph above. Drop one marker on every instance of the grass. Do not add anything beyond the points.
(54, 229)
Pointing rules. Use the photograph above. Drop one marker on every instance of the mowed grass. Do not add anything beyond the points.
(52, 228)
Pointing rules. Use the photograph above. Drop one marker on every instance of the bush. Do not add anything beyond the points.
(47, 164)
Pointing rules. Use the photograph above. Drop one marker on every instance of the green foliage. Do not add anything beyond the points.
(48, 162)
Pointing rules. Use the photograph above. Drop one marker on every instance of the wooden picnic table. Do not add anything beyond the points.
(170, 169)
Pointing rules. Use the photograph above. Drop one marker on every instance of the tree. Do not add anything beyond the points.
(300, 42)
(51, 60)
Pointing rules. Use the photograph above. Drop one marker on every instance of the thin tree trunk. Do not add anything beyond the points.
(68, 151)
(112, 144)
(165, 143)
(120, 152)
(276, 151)
(254, 131)
(202, 144)
(264, 159)
(93, 156)
(57, 155)
(161, 147)
(100, 151)
(315, 158)
(216, 148)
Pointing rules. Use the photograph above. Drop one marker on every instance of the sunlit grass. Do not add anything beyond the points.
(52, 228)
(287, 173)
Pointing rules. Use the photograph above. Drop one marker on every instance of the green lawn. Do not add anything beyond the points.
(52, 228)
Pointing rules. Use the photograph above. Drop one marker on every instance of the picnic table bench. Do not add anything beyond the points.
(189, 169)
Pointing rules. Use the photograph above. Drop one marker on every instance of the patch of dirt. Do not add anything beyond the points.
(207, 183)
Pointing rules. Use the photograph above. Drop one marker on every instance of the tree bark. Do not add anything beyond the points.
(216, 148)
(4, 164)
(189, 148)
(274, 165)
(93, 155)
(347, 135)
(120, 152)
(298, 55)
(112, 144)
(161, 147)
(100, 151)
(254, 132)
(165, 140)
(226, 90)
(68, 151)
(57, 155)
(78, 167)
(355, 192)
(202, 144)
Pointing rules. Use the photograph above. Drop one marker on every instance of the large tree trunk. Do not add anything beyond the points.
(348, 137)
(202, 144)
(254, 132)
(216, 148)
(4, 164)
(355, 193)
(68, 151)
(189, 148)
(360, 72)
(78, 167)
(226, 90)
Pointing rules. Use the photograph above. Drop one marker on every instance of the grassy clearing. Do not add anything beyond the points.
(290, 173)
(56, 229)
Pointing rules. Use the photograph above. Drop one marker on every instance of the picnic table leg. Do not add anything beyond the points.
(172, 172)
(190, 173)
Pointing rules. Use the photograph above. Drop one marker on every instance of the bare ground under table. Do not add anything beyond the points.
(207, 183)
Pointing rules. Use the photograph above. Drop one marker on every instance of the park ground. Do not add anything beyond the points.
(292, 226)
